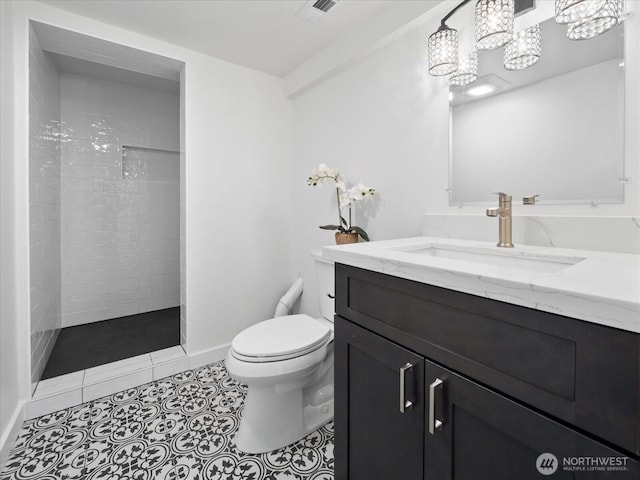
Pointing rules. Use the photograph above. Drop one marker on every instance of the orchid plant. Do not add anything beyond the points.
(345, 197)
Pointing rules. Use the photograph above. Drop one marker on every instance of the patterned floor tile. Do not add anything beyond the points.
(176, 428)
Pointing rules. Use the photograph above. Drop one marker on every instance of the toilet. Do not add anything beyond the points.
(287, 364)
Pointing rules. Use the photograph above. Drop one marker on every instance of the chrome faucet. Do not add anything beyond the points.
(503, 212)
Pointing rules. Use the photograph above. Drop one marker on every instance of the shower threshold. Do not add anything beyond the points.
(93, 383)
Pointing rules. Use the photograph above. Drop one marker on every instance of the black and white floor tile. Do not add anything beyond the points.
(177, 428)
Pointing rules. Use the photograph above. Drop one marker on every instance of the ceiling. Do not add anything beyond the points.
(265, 35)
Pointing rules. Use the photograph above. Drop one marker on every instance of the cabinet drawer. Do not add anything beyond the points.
(582, 373)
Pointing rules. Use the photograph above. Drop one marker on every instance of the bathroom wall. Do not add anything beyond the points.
(120, 221)
(238, 190)
(15, 377)
(44, 205)
(384, 121)
(379, 124)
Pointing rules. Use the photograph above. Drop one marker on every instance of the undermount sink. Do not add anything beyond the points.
(492, 256)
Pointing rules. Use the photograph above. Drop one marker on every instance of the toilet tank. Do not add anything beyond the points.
(325, 278)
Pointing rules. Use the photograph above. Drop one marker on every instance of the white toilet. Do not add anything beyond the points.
(287, 364)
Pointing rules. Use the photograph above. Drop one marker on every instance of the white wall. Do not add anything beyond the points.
(238, 178)
(120, 225)
(44, 205)
(378, 123)
(14, 327)
(384, 121)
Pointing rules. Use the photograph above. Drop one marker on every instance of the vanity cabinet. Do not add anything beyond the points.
(507, 384)
(373, 410)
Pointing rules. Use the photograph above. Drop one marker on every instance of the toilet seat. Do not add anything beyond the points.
(280, 338)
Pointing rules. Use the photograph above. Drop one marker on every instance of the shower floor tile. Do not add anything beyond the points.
(177, 427)
(84, 346)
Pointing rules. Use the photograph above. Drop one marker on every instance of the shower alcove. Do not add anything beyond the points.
(106, 195)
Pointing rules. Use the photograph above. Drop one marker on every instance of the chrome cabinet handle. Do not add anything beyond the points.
(434, 423)
(404, 403)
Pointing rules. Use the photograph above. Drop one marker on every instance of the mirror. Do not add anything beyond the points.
(555, 129)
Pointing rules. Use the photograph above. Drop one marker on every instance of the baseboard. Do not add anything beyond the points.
(205, 357)
(10, 435)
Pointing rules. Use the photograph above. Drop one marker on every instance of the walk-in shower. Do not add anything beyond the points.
(105, 206)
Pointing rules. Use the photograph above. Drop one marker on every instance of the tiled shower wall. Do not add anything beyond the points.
(120, 221)
(44, 205)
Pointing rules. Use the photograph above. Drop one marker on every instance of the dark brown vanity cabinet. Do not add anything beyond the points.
(436, 384)
(379, 411)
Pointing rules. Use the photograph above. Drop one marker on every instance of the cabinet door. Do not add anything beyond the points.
(485, 436)
(379, 409)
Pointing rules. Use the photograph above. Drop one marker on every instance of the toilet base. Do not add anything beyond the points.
(274, 416)
(287, 420)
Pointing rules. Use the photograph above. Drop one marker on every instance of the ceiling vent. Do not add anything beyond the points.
(524, 6)
(314, 10)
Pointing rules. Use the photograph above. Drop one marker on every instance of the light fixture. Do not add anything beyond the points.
(480, 90)
(524, 50)
(443, 51)
(467, 70)
(604, 19)
(494, 28)
(494, 23)
(442, 46)
(569, 11)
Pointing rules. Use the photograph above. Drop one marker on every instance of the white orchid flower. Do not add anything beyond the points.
(323, 173)
(345, 197)
(360, 191)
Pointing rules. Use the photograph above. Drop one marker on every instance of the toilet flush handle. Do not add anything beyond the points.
(331, 296)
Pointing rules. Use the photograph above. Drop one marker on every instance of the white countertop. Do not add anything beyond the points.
(597, 287)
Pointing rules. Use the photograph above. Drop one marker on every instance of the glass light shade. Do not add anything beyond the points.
(607, 17)
(467, 70)
(494, 23)
(443, 51)
(524, 50)
(569, 11)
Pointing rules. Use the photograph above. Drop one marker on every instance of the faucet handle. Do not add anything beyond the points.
(502, 195)
(529, 199)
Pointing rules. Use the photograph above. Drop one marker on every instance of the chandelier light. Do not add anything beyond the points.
(494, 29)
(443, 51)
(467, 70)
(524, 50)
(494, 23)
(604, 19)
(570, 11)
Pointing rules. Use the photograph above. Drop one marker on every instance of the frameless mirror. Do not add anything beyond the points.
(555, 129)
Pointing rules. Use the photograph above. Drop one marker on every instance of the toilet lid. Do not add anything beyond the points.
(281, 337)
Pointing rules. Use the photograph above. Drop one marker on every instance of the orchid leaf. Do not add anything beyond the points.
(344, 222)
(331, 227)
(361, 232)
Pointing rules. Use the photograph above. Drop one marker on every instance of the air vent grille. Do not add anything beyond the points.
(524, 6)
(313, 10)
(324, 5)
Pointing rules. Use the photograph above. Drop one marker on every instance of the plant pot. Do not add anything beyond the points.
(344, 238)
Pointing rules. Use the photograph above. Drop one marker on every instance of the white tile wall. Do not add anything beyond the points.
(44, 205)
(120, 221)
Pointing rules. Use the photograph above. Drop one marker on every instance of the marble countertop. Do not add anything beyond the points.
(597, 287)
